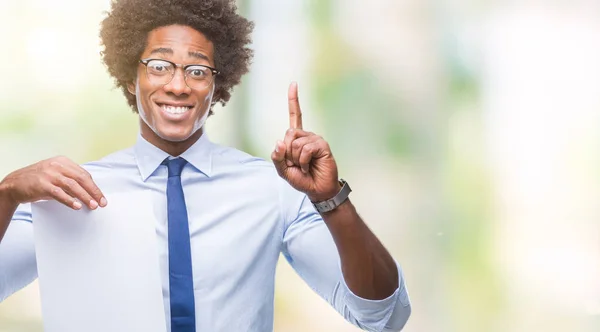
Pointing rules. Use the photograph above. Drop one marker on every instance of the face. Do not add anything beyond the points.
(173, 112)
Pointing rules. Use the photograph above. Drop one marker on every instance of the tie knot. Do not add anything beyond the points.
(175, 166)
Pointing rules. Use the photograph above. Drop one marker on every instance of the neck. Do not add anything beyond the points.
(172, 148)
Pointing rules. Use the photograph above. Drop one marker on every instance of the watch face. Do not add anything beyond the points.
(345, 184)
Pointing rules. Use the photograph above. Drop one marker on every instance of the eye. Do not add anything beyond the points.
(158, 67)
(198, 72)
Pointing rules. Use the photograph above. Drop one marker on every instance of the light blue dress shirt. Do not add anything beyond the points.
(242, 215)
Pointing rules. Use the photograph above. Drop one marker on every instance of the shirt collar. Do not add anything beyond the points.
(148, 157)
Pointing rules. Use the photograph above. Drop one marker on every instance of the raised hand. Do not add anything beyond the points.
(56, 178)
(304, 159)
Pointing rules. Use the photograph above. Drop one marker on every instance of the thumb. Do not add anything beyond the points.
(278, 157)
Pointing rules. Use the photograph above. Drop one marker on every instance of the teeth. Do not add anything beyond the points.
(174, 110)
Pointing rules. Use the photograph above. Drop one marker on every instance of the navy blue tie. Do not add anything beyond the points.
(181, 281)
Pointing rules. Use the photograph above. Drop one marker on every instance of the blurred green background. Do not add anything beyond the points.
(469, 130)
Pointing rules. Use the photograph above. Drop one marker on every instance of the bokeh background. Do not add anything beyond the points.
(469, 130)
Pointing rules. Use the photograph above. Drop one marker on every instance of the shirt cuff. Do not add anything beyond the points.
(374, 315)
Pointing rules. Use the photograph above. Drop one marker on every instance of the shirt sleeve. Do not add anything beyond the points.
(17, 254)
(309, 247)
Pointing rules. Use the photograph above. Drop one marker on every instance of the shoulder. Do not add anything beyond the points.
(227, 157)
(113, 161)
(115, 171)
(261, 175)
(253, 171)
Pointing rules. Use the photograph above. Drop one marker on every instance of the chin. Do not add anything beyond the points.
(175, 137)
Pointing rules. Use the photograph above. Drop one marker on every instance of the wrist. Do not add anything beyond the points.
(332, 203)
(344, 208)
(315, 198)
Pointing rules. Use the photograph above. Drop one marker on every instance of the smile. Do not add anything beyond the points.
(174, 109)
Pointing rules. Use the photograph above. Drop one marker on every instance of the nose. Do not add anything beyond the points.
(177, 86)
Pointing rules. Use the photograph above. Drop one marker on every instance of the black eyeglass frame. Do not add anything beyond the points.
(214, 71)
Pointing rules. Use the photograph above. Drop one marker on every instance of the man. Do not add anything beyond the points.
(226, 215)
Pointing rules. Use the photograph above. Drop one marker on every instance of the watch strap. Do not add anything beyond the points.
(331, 204)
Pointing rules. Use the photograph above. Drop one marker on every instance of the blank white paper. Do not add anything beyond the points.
(98, 270)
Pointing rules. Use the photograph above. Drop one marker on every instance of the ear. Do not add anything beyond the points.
(131, 88)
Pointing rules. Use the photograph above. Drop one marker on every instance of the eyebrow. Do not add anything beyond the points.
(164, 50)
(199, 55)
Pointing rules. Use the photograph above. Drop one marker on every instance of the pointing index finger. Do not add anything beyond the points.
(294, 107)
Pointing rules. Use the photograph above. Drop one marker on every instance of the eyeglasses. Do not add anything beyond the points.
(161, 72)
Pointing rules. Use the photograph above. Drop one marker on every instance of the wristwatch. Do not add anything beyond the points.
(331, 204)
